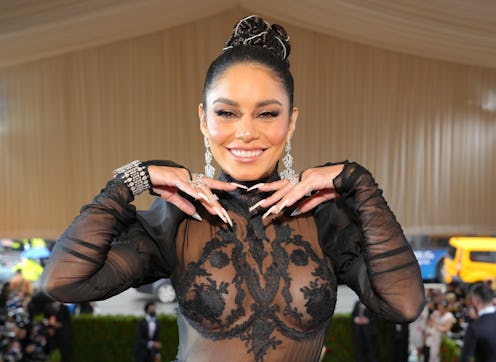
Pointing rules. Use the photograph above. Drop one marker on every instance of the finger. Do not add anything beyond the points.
(315, 200)
(180, 202)
(210, 201)
(282, 189)
(269, 186)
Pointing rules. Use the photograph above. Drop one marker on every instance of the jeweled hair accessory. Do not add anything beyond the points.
(253, 30)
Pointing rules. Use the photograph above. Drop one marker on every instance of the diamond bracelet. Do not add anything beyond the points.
(135, 176)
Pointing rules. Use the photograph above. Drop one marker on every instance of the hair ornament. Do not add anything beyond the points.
(255, 31)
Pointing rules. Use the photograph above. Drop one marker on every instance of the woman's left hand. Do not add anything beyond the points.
(316, 185)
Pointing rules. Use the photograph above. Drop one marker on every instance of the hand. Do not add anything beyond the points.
(167, 181)
(156, 345)
(317, 182)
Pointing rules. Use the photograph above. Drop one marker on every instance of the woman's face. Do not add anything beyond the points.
(247, 120)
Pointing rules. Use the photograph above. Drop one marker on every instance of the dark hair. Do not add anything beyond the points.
(482, 291)
(254, 40)
(148, 305)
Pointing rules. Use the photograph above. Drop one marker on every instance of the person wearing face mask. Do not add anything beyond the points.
(255, 254)
(147, 346)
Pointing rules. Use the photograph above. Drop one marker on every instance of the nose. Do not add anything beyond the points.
(246, 130)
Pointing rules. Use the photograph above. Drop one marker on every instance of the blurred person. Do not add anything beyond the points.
(147, 346)
(4, 297)
(417, 333)
(440, 322)
(255, 256)
(21, 286)
(59, 328)
(364, 332)
(400, 342)
(479, 343)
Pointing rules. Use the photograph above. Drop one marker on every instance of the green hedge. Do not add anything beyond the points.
(111, 338)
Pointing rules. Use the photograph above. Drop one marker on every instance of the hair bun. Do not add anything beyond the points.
(254, 30)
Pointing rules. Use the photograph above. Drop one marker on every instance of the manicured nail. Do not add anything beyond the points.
(256, 205)
(254, 187)
(296, 212)
(239, 185)
(196, 216)
(282, 206)
(220, 214)
(228, 218)
(269, 211)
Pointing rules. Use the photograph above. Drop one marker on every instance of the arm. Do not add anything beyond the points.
(87, 264)
(368, 249)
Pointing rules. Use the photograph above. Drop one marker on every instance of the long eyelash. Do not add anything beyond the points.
(223, 113)
(271, 114)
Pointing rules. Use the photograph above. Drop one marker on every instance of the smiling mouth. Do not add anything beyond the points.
(246, 153)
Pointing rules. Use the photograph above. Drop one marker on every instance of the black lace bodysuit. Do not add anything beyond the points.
(262, 290)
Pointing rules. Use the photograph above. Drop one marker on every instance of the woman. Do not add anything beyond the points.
(255, 258)
(440, 322)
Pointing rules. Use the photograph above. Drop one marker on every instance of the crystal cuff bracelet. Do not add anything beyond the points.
(135, 176)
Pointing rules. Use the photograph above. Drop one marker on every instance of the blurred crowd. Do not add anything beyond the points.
(450, 313)
(31, 324)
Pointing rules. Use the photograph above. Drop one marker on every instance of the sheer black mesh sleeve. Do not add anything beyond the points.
(369, 251)
(105, 250)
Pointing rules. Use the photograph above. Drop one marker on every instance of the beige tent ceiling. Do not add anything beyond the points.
(461, 31)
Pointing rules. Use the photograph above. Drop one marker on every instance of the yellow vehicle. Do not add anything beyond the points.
(470, 259)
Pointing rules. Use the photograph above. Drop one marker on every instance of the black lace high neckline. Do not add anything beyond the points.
(243, 198)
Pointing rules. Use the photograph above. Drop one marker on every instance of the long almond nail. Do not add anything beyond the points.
(220, 214)
(228, 218)
(296, 212)
(256, 205)
(197, 216)
(255, 187)
(282, 206)
(269, 211)
(239, 185)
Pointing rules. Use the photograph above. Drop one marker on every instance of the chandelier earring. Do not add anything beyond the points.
(209, 169)
(288, 173)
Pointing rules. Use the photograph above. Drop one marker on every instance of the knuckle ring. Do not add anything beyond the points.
(197, 180)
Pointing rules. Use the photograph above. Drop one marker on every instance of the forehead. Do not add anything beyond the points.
(248, 80)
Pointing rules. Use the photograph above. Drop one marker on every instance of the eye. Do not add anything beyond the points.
(269, 114)
(224, 113)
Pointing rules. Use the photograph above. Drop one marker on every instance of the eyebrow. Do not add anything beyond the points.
(236, 104)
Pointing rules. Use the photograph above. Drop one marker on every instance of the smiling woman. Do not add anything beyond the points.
(254, 256)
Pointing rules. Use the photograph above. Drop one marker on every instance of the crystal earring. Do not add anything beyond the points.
(288, 173)
(209, 169)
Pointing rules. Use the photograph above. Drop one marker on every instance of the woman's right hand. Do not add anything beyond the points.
(167, 181)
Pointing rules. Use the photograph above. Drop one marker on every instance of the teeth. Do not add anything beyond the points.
(241, 153)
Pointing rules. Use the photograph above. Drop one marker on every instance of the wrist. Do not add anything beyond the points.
(135, 176)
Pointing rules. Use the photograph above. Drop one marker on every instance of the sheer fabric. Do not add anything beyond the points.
(262, 290)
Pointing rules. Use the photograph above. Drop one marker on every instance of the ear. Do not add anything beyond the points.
(292, 123)
(202, 114)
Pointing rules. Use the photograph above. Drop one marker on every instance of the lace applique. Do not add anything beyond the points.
(244, 282)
